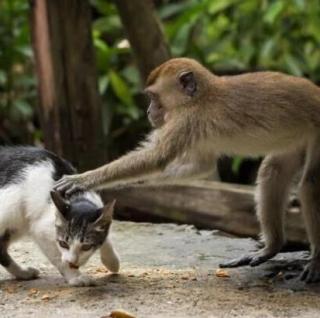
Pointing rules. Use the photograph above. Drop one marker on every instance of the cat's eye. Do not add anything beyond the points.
(64, 244)
(86, 247)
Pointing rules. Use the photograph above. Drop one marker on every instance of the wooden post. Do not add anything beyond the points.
(144, 34)
(69, 104)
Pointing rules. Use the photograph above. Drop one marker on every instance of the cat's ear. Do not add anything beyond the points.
(62, 205)
(106, 216)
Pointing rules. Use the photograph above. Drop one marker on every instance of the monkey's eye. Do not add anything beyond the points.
(86, 247)
(63, 244)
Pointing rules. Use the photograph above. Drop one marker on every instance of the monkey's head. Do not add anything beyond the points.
(173, 85)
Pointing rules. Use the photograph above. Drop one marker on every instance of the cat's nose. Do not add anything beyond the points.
(72, 265)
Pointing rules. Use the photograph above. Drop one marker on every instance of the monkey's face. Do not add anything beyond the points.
(156, 112)
(167, 93)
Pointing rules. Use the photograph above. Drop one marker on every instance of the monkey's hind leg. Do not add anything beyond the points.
(310, 200)
(274, 179)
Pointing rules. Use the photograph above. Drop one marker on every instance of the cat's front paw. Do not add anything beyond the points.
(27, 273)
(111, 261)
(81, 281)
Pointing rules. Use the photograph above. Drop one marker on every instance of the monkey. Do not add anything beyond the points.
(198, 116)
(187, 165)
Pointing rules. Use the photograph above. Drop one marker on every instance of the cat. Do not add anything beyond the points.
(68, 231)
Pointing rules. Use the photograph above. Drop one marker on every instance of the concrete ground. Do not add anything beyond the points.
(167, 271)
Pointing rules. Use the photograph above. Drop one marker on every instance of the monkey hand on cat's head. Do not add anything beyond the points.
(70, 184)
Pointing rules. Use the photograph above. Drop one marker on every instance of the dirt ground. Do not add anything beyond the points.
(167, 271)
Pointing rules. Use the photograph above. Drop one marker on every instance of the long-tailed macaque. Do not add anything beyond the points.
(197, 116)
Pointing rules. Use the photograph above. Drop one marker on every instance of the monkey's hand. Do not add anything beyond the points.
(253, 259)
(69, 184)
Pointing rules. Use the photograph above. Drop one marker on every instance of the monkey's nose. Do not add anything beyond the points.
(72, 265)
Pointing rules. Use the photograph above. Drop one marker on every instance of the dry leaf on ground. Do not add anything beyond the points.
(33, 291)
(222, 273)
(50, 296)
(101, 270)
(119, 314)
(10, 289)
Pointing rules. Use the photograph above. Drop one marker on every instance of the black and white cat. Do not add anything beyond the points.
(67, 231)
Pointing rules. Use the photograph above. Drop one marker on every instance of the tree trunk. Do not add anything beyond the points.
(144, 33)
(69, 104)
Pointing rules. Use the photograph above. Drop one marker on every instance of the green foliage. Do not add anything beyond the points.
(17, 84)
(237, 35)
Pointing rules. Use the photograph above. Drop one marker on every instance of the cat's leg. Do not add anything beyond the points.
(109, 256)
(72, 275)
(10, 265)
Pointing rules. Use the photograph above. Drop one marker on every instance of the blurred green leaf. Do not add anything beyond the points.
(3, 77)
(236, 163)
(219, 5)
(181, 39)
(120, 88)
(172, 9)
(131, 74)
(103, 84)
(293, 65)
(22, 109)
(274, 11)
(107, 24)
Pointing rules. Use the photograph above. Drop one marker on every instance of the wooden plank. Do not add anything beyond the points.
(69, 103)
(206, 204)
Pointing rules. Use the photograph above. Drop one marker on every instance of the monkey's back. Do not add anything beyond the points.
(276, 98)
(265, 111)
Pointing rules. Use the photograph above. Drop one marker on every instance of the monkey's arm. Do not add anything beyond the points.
(162, 146)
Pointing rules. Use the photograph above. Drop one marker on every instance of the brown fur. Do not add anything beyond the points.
(204, 116)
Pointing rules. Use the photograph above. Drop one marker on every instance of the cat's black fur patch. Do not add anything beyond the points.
(5, 258)
(83, 213)
(14, 159)
(84, 210)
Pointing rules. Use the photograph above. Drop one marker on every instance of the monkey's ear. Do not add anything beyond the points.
(188, 82)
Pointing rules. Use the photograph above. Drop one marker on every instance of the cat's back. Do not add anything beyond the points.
(27, 175)
(15, 162)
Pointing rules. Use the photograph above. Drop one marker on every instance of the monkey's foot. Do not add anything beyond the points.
(260, 244)
(253, 259)
(311, 272)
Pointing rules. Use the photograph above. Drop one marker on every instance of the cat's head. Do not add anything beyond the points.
(82, 225)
